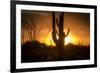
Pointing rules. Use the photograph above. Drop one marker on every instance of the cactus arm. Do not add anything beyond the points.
(54, 37)
(60, 19)
(67, 32)
(57, 33)
(57, 21)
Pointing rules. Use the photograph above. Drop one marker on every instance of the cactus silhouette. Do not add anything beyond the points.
(59, 36)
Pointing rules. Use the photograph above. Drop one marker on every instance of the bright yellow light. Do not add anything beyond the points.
(48, 40)
(71, 39)
(67, 40)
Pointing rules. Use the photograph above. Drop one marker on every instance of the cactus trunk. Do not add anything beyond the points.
(61, 35)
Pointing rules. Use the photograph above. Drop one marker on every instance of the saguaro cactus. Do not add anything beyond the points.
(59, 22)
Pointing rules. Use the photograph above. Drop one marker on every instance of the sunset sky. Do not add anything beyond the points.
(78, 23)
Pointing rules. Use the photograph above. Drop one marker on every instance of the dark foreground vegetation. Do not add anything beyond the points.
(39, 52)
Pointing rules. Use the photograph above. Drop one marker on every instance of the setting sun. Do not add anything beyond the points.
(67, 40)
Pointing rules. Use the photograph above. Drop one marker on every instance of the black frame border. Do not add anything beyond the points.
(13, 35)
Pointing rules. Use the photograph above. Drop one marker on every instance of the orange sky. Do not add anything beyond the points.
(78, 23)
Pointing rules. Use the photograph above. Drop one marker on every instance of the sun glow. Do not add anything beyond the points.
(69, 39)
(48, 40)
